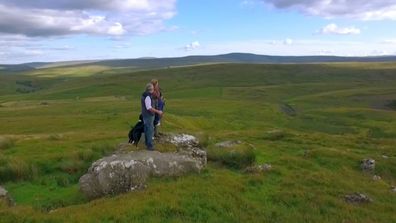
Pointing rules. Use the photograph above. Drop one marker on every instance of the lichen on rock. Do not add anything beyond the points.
(124, 172)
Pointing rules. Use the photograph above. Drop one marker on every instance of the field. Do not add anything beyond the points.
(55, 122)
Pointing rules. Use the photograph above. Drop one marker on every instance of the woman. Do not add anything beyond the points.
(159, 104)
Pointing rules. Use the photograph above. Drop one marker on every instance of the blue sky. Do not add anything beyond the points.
(60, 30)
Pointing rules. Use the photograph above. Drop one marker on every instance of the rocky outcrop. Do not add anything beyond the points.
(5, 196)
(357, 198)
(127, 172)
(367, 164)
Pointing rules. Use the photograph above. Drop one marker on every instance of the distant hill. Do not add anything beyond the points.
(156, 63)
(17, 67)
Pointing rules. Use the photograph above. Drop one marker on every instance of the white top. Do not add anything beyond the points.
(147, 101)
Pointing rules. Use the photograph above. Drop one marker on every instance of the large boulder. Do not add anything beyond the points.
(124, 172)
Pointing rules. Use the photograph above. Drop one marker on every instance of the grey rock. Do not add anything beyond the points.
(259, 168)
(357, 198)
(367, 165)
(385, 156)
(287, 109)
(182, 140)
(228, 144)
(393, 189)
(376, 178)
(129, 171)
(5, 196)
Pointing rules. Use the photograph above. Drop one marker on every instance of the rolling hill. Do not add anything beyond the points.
(158, 63)
(313, 123)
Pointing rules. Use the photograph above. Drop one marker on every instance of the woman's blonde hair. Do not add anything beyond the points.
(157, 91)
(154, 82)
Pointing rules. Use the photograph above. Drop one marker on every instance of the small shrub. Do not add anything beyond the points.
(6, 143)
(238, 156)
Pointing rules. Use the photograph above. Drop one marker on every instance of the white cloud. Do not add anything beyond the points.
(288, 41)
(62, 48)
(389, 41)
(192, 46)
(97, 17)
(357, 9)
(334, 29)
(379, 53)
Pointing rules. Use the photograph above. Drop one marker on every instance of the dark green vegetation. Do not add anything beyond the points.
(313, 123)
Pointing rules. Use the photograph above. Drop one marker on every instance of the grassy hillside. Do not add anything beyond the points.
(327, 117)
(162, 63)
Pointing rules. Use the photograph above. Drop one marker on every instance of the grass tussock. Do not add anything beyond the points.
(17, 169)
(6, 143)
(275, 135)
(103, 148)
(54, 137)
(237, 156)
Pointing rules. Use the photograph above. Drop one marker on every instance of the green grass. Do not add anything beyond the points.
(49, 137)
(238, 156)
(6, 143)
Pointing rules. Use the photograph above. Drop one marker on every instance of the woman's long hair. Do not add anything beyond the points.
(157, 90)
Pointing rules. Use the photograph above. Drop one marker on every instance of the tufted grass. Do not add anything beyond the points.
(6, 143)
(238, 156)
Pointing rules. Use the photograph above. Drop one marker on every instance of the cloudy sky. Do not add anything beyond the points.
(48, 30)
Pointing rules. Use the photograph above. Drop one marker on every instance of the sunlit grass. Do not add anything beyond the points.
(46, 147)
